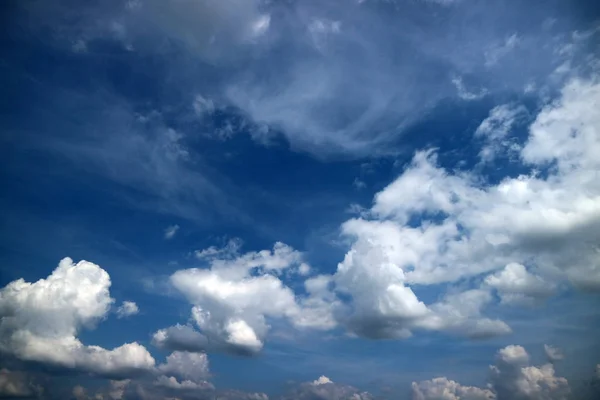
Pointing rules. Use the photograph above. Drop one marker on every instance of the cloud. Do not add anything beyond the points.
(495, 130)
(465, 228)
(325, 389)
(511, 377)
(497, 51)
(465, 93)
(171, 231)
(114, 391)
(186, 365)
(527, 233)
(127, 309)
(284, 68)
(150, 161)
(232, 298)
(553, 353)
(518, 286)
(445, 389)
(17, 385)
(41, 320)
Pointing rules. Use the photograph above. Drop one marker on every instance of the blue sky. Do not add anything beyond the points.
(345, 199)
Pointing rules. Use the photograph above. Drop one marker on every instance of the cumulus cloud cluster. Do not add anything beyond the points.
(528, 235)
(234, 296)
(40, 321)
(528, 232)
(511, 377)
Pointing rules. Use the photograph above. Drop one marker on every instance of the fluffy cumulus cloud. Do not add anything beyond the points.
(41, 320)
(511, 377)
(184, 371)
(526, 235)
(516, 285)
(433, 226)
(233, 297)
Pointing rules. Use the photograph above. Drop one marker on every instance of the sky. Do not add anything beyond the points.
(300, 199)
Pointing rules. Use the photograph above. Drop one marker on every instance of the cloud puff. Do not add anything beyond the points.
(511, 377)
(126, 309)
(40, 321)
(495, 131)
(553, 353)
(171, 231)
(186, 365)
(325, 389)
(516, 285)
(233, 297)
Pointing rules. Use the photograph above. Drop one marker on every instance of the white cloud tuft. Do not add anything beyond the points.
(171, 231)
(518, 286)
(127, 309)
(553, 353)
(232, 299)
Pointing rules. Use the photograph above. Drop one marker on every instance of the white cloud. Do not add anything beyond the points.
(40, 321)
(495, 129)
(203, 106)
(325, 389)
(173, 383)
(553, 353)
(433, 226)
(429, 226)
(467, 228)
(445, 389)
(127, 309)
(232, 299)
(464, 93)
(115, 391)
(511, 378)
(186, 365)
(171, 231)
(496, 52)
(180, 337)
(322, 380)
(184, 371)
(516, 285)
